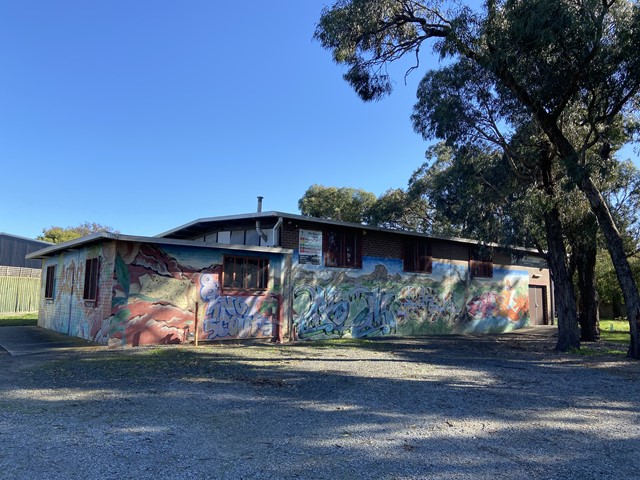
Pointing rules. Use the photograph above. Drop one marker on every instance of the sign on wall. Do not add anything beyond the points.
(528, 261)
(310, 247)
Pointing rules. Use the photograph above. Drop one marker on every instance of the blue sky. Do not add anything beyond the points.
(146, 115)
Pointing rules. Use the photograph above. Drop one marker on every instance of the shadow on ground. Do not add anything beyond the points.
(440, 407)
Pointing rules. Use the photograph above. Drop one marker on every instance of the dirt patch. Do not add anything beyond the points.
(435, 407)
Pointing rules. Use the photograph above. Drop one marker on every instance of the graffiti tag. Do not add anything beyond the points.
(235, 316)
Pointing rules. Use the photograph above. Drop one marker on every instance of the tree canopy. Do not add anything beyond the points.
(61, 235)
(345, 204)
(555, 79)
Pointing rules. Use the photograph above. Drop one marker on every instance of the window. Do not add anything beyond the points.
(245, 273)
(343, 248)
(91, 270)
(50, 282)
(416, 255)
(481, 263)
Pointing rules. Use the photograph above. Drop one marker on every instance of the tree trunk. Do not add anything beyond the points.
(589, 317)
(568, 333)
(620, 261)
(607, 225)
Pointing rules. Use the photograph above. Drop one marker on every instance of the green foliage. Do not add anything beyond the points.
(548, 85)
(398, 210)
(608, 286)
(343, 204)
(596, 352)
(393, 209)
(18, 319)
(623, 197)
(61, 235)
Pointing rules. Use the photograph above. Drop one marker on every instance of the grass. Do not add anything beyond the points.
(614, 331)
(594, 352)
(18, 319)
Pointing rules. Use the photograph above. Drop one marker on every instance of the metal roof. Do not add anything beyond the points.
(107, 236)
(19, 237)
(202, 226)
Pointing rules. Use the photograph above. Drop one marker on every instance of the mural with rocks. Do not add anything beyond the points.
(382, 300)
(156, 290)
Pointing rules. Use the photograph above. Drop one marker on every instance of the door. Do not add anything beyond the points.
(538, 305)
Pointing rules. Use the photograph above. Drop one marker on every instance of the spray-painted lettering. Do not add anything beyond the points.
(235, 316)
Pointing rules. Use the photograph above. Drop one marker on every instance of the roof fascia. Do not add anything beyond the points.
(104, 236)
(302, 218)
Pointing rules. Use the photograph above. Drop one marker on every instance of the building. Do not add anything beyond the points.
(14, 249)
(19, 277)
(282, 276)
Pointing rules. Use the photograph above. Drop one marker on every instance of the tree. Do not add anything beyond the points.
(470, 187)
(608, 287)
(555, 63)
(623, 197)
(61, 235)
(462, 104)
(344, 204)
(396, 209)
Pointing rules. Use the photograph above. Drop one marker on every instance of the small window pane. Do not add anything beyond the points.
(245, 273)
(481, 263)
(50, 282)
(343, 249)
(237, 237)
(91, 279)
(417, 255)
(251, 237)
(224, 237)
(252, 273)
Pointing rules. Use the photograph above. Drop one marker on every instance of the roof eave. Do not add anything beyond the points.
(102, 236)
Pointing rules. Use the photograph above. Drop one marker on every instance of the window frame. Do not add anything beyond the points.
(50, 283)
(480, 263)
(91, 279)
(420, 248)
(341, 256)
(262, 279)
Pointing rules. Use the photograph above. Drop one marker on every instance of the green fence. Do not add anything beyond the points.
(19, 294)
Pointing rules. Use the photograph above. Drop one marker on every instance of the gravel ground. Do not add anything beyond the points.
(436, 407)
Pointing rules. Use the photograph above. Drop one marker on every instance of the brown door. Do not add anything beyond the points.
(538, 305)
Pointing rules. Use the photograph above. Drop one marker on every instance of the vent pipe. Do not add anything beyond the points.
(275, 238)
(261, 234)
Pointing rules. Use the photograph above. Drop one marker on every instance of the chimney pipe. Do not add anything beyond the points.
(262, 235)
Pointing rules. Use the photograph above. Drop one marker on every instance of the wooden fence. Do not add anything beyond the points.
(19, 289)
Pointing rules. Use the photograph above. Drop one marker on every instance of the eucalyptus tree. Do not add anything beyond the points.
(396, 209)
(563, 63)
(345, 204)
(474, 186)
(623, 197)
(463, 104)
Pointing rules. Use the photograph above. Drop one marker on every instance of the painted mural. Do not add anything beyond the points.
(236, 316)
(68, 312)
(157, 289)
(382, 300)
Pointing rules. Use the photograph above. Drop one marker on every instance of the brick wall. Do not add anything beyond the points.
(68, 312)
(378, 244)
(382, 245)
